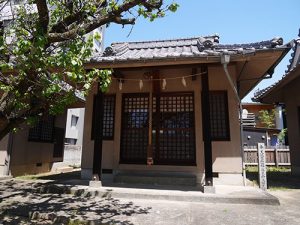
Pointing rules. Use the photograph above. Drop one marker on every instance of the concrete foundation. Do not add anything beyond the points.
(156, 179)
(209, 189)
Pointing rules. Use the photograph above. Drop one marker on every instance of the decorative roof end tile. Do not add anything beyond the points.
(109, 51)
(208, 42)
(276, 41)
(216, 38)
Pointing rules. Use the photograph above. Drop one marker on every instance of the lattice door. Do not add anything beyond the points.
(174, 129)
(134, 133)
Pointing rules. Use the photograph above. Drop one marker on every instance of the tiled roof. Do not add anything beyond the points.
(294, 63)
(179, 48)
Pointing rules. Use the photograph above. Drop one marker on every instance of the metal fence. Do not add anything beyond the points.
(275, 156)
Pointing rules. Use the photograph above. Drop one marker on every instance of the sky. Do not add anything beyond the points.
(236, 21)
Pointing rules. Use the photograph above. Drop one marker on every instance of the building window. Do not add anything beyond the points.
(71, 141)
(74, 120)
(43, 131)
(108, 117)
(219, 118)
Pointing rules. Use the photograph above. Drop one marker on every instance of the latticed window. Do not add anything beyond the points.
(109, 102)
(109, 117)
(43, 131)
(134, 136)
(219, 119)
(174, 129)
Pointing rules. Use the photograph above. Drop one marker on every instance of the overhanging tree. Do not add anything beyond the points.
(267, 117)
(43, 48)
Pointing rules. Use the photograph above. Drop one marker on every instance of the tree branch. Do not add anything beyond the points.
(97, 22)
(62, 25)
(119, 20)
(43, 14)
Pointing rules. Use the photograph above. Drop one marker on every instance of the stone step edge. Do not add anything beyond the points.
(105, 192)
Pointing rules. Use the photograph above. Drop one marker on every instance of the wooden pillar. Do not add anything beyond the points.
(150, 148)
(98, 134)
(154, 92)
(206, 127)
(156, 119)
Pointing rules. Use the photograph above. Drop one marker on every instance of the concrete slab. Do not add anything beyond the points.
(95, 184)
(223, 194)
(5, 177)
(242, 196)
(63, 169)
(209, 189)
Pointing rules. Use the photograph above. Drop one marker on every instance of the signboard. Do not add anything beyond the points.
(262, 169)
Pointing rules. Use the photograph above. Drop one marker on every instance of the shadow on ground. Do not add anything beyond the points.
(74, 178)
(68, 178)
(75, 174)
(277, 179)
(24, 201)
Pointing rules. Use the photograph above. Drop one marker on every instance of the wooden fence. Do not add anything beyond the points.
(275, 156)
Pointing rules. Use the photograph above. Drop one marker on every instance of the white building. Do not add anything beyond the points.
(74, 126)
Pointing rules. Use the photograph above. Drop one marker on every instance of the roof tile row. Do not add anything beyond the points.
(179, 48)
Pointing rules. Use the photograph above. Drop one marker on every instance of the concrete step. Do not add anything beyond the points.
(63, 169)
(156, 179)
(226, 195)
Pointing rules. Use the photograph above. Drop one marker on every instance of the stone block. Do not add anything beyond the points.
(209, 189)
(95, 183)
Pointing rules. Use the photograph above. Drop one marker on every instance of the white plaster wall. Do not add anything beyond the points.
(75, 132)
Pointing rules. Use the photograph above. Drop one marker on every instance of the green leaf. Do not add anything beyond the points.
(173, 7)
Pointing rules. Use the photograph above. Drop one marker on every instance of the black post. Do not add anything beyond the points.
(206, 127)
(98, 134)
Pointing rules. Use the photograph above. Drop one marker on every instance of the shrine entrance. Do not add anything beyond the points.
(172, 127)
